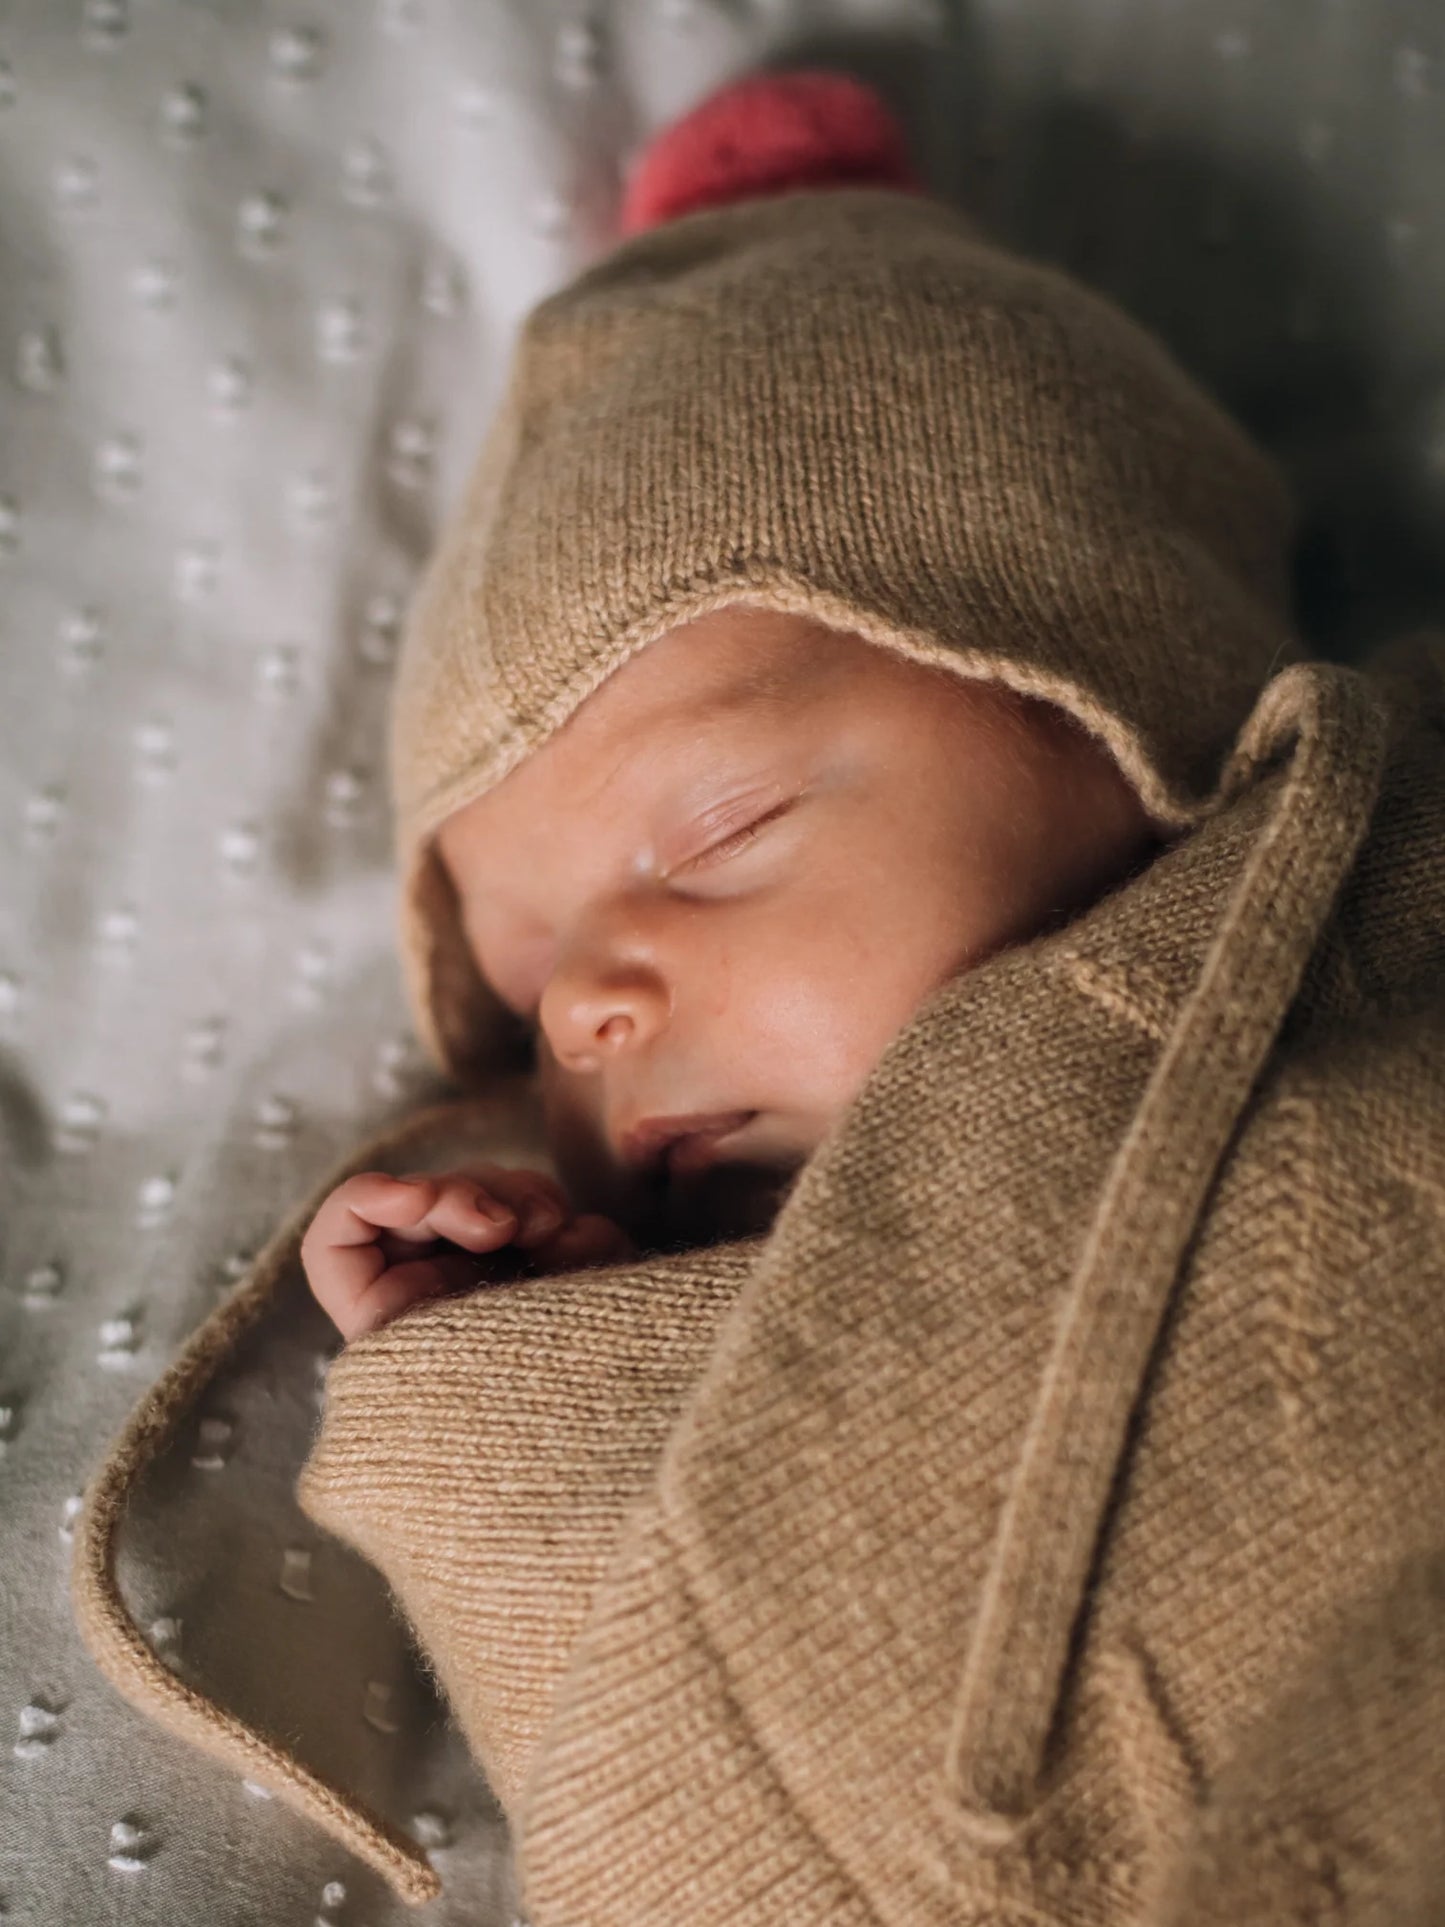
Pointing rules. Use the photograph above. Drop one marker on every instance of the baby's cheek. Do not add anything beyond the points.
(576, 1135)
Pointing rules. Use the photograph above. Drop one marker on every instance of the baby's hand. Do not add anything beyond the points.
(379, 1244)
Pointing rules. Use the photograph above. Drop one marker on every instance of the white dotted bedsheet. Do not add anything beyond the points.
(261, 265)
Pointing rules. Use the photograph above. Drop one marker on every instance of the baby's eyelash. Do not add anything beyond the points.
(739, 840)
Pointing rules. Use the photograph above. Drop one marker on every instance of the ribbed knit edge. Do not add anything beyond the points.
(105, 1622)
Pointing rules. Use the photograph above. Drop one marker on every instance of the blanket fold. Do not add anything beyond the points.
(979, 1536)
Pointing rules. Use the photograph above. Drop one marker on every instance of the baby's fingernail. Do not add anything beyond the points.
(491, 1208)
(540, 1219)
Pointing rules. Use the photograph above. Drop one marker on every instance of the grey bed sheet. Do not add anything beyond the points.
(261, 263)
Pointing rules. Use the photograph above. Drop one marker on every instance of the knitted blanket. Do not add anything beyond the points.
(1043, 1519)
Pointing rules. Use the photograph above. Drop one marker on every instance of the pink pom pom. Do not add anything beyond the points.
(768, 134)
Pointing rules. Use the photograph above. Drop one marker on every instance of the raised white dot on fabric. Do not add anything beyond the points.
(398, 1065)
(260, 224)
(43, 1285)
(39, 1729)
(81, 1118)
(197, 571)
(1232, 44)
(311, 499)
(39, 361)
(205, 1044)
(155, 746)
(155, 284)
(82, 639)
(9, 1422)
(376, 1708)
(346, 797)
(229, 383)
(313, 974)
(431, 1830)
(235, 1265)
(164, 1635)
(183, 114)
(579, 51)
(69, 1513)
(294, 54)
(118, 468)
(120, 1340)
(44, 812)
(380, 629)
(76, 181)
(117, 933)
(551, 213)
(155, 1198)
(295, 1579)
(278, 673)
(411, 446)
(239, 846)
(276, 1119)
(333, 1895)
(341, 330)
(131, 1845)
(256, 1790)
(366, 178)
(215, 1442)
(104, 24)
(443, 290)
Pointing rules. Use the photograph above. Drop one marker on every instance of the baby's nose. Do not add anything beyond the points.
(587, 1025)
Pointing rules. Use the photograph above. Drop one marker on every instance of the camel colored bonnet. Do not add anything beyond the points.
(845, 404)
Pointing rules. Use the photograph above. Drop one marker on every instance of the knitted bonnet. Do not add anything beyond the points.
(843, 401)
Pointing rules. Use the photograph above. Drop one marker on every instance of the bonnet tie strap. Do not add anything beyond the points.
(115, 1641)
(1326, 720)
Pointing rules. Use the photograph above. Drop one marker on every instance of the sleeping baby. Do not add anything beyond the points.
(699, 810)
(866, 824)
(713, 896)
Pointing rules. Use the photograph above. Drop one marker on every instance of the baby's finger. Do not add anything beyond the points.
(471, 1215)
(354, 1212)
(589, 1240)
(402, 1286)
(541, 1205)
(343, 1251)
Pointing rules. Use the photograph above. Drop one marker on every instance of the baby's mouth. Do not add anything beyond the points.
(696, 1151)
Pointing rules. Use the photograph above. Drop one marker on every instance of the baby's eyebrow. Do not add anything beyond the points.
(770, 686)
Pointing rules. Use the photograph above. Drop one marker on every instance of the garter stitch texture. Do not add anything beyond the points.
(1043, 1521)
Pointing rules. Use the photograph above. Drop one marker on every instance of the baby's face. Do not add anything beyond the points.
(739, 869)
